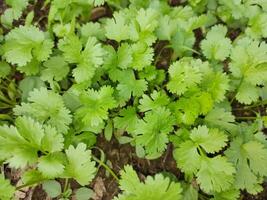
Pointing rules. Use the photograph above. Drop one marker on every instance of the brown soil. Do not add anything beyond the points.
(120, 155)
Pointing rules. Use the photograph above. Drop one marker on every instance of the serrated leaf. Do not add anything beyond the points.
(79, 164)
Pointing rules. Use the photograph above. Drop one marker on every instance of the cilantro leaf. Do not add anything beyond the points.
(95, 106)
(79, 164)
(25, 43)
(87, 59)
(128, 85)
(217, 84)
(152, 132)
(212, 140)
(155, 100)
(4, 69)
(20, 144)
(184, 74)
(6, 189)
(216, 46)
(215, 174)
(192, 159)
(157, 187)
(187, 150)
(56, 69)
(166, 28)
(117, 28)
(249, 167)
(251, 71)
(227, 195)
(220, 118)
(127, 119)
(200, 103)
(46, 106)
(142, 56)
(51, 165)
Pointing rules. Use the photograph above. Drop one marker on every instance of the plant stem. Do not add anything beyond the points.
(248, 118)
(29, 184)
(66, 185)
(106, 167)
(237, 89)
(256, 104)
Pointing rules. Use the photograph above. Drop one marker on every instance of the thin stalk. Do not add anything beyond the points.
(247, 118)
(106, 167)
(6, 100)
(66, 185)
(257, 104)
(237, 89)
(190, 49)
(30, 184)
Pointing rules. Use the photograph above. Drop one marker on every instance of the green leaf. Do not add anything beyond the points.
(249, 167)
(217, 84)
(227, 195)
(187, 150)
(56, 69)
(84, 193)
(156, 188)
(79, 164)
(46, 106)
(191, 157)
(166, 28)
(189, 192)
(6, 189)
(51, 166)
(20, 145)
(156, 99)
(52, 140)
(251, 71)
(127, 119)
(25, 43)
(212, 140)
(215, 174)
(9, 16)
(152, 132)
(95, 106)
(184, 74)
(216, 46)
(52, 188)
(128, 85)
(108, 131)
(91, 29)
(142, 56)
(87, 59)
(5, 69)
(28, 84)
(32, 177)
(220, 118)
(117, 28)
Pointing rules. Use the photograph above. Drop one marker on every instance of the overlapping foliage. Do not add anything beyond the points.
(80, 77)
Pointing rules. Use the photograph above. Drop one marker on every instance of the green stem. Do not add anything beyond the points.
(248, 118)
(237, 89)
(6, 100)
(202, 153)
(66, 185)
(256, 104)
(115, 5)
(5, 117)
(106, 167)
(190, 49)
(30, 184)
